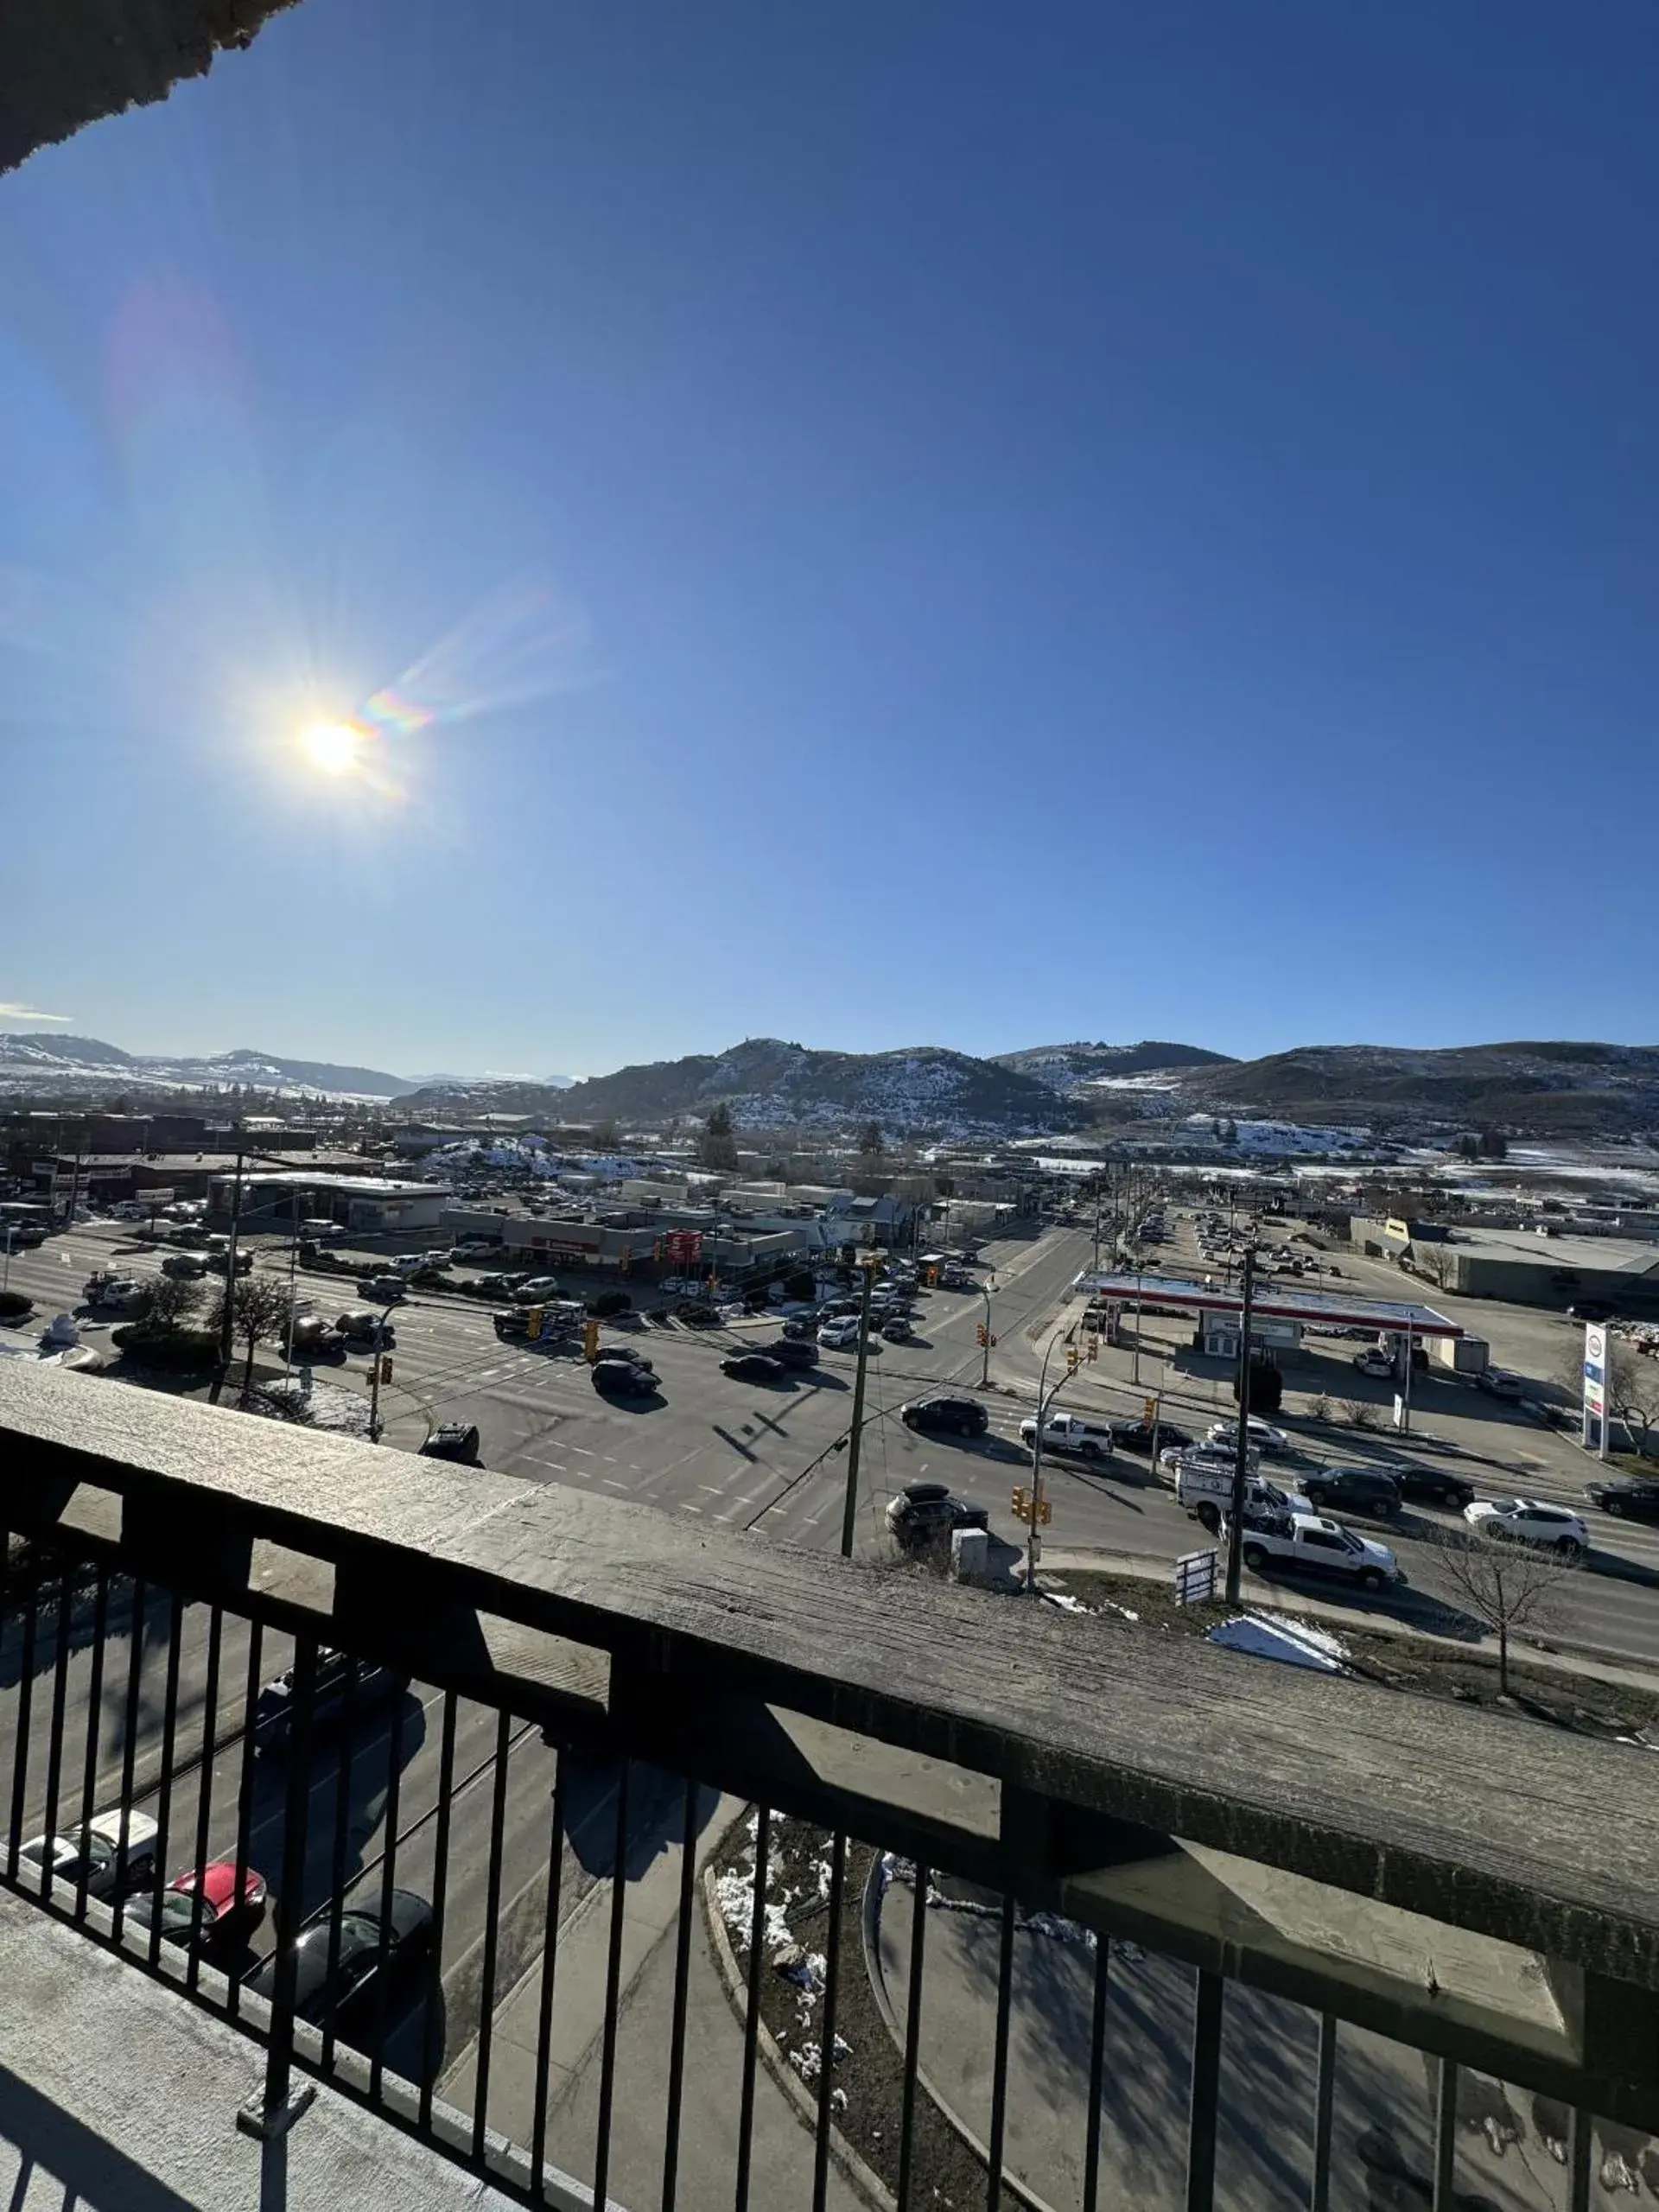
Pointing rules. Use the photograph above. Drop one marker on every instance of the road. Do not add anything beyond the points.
(737, 1455)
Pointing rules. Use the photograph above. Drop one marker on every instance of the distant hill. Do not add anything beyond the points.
(27, 1061)
(769, 1083)
(1548, 1087)
(1064, 1066)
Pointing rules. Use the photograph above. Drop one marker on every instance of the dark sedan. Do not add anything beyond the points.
(369, 1685)
(370, 1949)
(1432, 1485)
(1137, 1435)
(946, 1416)
(793, 1351)
(1351, 1490)
(928, 1513)
(624, 1378)
(752, 1367)
(1636, 1500)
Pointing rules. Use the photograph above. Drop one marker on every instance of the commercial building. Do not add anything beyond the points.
(1530, 1267)
(371, 1203)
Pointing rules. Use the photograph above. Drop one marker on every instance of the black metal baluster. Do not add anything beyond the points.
(827, 2032)
(244, 1786)
(1207, 2013)
(491, 1910)
(135, 1691)
(346, 1758)
(752, 2015)
(912, 2038)
(999, 2054)
(431, 2051)
(279, 2057)
(164, 1799)
(388, 1886)
(681, 1973)
(1318, 2197)
(1097, 2073)
(549, 1960)
(60, 1701)
(613, 1997)
(1446, 2133)
(94, 1726)
(1580, 2129)
(20, 1748)
(205, 1800)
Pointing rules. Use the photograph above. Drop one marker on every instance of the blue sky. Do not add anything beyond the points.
(875, 526)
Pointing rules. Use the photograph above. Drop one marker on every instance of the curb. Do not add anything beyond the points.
(871, 1924)
(859, 2176)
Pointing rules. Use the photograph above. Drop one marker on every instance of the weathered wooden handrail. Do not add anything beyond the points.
(1484, 1821)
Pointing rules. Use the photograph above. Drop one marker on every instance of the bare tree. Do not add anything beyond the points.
(169, 1301)
(259, 1307)
(1436, 1264)
(1508, 1585)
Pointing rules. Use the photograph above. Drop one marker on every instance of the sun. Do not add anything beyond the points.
(332, 746)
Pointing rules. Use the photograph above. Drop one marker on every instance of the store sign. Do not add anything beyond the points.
(1593, 1411)
(1195, 1577)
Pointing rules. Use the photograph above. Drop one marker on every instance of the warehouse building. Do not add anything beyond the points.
(370, 1202)
(1535, 1266)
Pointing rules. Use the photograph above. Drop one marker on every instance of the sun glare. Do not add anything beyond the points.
(332, 746)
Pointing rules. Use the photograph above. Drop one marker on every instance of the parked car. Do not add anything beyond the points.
(498, 1286)
(797, 1329)
(946, 1416)
(1499, 1382)
(1530, 1521)
(1637, 1499)
(1432, 1485)
(897, 1331)
(368, 1683)
(1308, 1543)
(624, 1378)
(371, 1948)
(1591, 1309)
(752, 1367)
(115, 1850)
(698, 1314)
(452, 1440)
(1375, 1361)
(115, 1293)
(929, 1513)
(226, 1918)
(839, 1335)
(1260, 1435)
(537, 1291)
(790, 1351)
(1351, 1490)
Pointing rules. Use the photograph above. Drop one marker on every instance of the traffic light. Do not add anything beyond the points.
(385, 1367)
(591, 1341)
(1043, 1511)
(533, 1321)
(982, 1335)
(932, 1278)
(1022, 1505)
(657, 1250)
(1073, 1356)
(1091, 1348)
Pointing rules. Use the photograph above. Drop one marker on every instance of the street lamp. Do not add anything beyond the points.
(868, 1260)
(985, 1290)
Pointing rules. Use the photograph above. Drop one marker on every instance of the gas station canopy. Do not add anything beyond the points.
(1271, 1301)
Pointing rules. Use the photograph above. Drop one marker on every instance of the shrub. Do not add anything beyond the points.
(167, 1347)
(609, 1302)
(14, 1306)
(1360, 1412)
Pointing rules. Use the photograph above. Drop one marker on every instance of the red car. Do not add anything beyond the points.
(225, 1919)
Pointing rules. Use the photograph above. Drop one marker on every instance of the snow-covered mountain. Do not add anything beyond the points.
(30, 1063)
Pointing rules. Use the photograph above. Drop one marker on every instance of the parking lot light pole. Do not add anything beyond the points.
(985, 1290)
(1241, 1457)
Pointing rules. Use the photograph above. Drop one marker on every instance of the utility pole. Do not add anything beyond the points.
(227, 1318)
(849, 1510)
(985, 1290)
(1033, 1538)
(1241, 1457)
(374, 1380)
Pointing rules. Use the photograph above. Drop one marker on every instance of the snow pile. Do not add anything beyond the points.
(1295, 1643)
(328, 1406)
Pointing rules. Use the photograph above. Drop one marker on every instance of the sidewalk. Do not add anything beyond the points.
(782, 2148)
(1274, 1597)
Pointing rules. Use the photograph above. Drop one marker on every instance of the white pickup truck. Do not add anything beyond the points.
(1309, 1543)
(1084, 1440)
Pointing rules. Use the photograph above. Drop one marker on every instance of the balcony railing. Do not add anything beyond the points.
(1477, 1888)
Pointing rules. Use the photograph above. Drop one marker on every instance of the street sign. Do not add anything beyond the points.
(1195, 1577)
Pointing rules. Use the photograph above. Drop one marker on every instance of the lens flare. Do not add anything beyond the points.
(332, 746)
